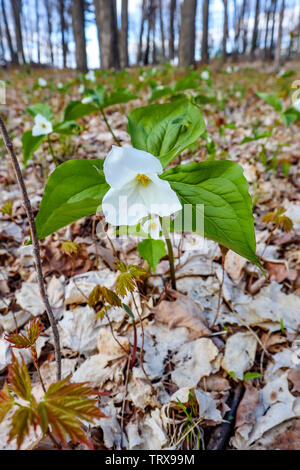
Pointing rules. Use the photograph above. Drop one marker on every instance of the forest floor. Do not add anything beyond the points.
(210, 346)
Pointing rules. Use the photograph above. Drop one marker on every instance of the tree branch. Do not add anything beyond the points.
(35, 242)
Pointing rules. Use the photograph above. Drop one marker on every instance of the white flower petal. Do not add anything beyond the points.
(152, 227)
(160, 198)
(124, 206)
(123, 164)
(42, 126)
(296, 105)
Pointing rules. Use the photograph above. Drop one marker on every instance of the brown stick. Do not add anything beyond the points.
(35, 242)
(221, 435)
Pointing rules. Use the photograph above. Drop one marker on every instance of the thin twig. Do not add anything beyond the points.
(35, 242)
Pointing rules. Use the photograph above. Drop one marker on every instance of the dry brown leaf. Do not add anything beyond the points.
(182, 312)
(294, 377)
(279, 273)
(246, 412)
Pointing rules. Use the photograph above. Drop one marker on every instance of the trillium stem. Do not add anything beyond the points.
(35, 242)
(52, 151)
(170, 254)
(109, 127)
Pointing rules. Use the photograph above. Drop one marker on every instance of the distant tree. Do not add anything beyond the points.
(279, 38)
(37, 30)
(204, 46)
(171, 29)
(225, 31)
(13, 54)
(142, 26)
(255, 29)
(106, 19)
(79, 34)
(61, 9)
(162, 29)
(124, 35)
(16, 9)
(186, 54)
(48, 8)
(274, 8)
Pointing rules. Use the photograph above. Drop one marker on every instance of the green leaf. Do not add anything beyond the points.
(74, 190)
(23, 419)
(272, 100)
(6, 402)
(256, 136)
(223, 190)
(252, 375)
(76, 110)
(160, 91)
(121, 95)
(152, 251)
(40, 108)
(165, 130)
(67, 128)
(30, 144)
(289, 116)
(190, 82)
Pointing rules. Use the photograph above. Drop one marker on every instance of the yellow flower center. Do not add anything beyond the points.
(143, 179)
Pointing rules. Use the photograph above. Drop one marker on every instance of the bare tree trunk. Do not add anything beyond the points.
(16, 8)
(162, 30)
(171, 29)
(279, 38)
(245, 28)
(225, 32)
(63, 30)
(37, 29)
(186, 53)
(49, 24)
(13, 55)
(106, 19)
(140, 47)
(274, 3)
(2, 53)
(255, 30)
(79, 34)
(238, 28)
(267, 31)
(204, 47)
(124, 35)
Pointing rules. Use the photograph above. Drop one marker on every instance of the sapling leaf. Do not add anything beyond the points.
(152, 251)
(222, 191)
(74, 190)
(272, 100)
(165, 130)
(30, 144)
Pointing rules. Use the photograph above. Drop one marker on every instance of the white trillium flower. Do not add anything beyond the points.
(87, 100)
(42, 82)
(91, 76)
(136, 190)
(60, 85)
(152, 227)
(81, 89)
(296, 105)
(205, 75)
(41, 126)
(229, 69)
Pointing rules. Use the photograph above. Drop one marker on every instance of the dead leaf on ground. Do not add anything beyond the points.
(182, 312)
(278, 272)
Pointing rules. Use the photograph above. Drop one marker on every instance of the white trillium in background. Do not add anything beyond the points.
(205, 75)
(136, 190)
(41, 126)
(296, 105)
(87, 100)
(60, 85)
(81, 89)
(42, 82)
(91, 76)
(152, 227)
(229, 69)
